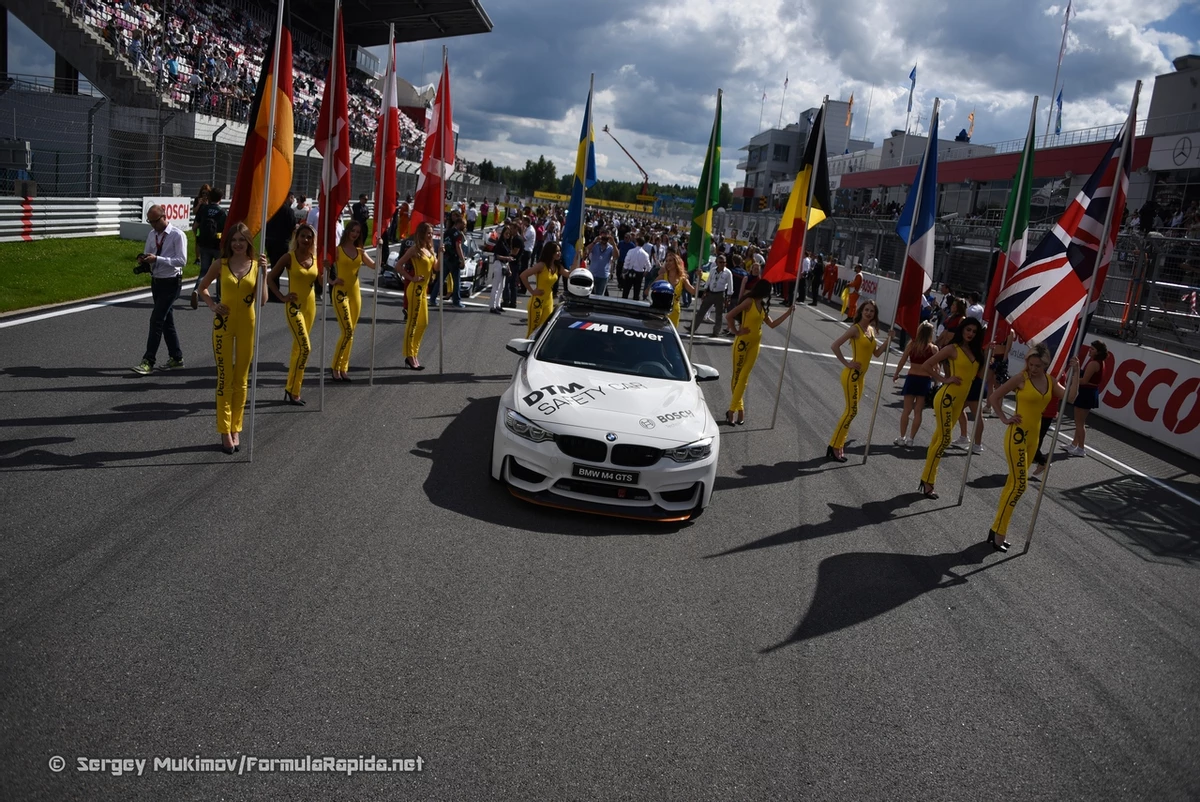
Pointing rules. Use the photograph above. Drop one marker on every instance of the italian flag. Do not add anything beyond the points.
(1014, 235)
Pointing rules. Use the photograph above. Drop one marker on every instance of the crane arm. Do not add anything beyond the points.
(645, 176)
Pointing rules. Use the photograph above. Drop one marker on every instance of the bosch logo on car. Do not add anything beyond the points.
(670, 416)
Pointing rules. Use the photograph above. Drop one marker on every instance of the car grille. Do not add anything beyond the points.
(602, 490)
(582, 448)
(635, 456)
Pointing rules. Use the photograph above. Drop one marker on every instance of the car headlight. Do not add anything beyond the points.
(692, 452)
(523, 427)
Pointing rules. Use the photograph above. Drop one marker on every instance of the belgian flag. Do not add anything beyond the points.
(246, 203)
(783, 262)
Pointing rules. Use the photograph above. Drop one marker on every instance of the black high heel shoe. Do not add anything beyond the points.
(291, 399)
(998, 545)
(927, 493)
(833, 455)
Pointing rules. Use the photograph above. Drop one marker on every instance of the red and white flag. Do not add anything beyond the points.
(437, 163)
(387, 140)
(333, 143)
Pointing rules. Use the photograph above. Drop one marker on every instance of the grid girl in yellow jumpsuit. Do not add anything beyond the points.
(966, 360)
(746, 344)
(347, 295)
(1034, 390)
(675, 274)
(233, 328)
(545, 274)
(419, 264)
(862, 342)
(300, 305)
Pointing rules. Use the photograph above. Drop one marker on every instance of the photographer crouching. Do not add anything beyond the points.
(163, 259)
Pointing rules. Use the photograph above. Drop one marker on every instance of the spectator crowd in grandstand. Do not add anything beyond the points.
(210, 58)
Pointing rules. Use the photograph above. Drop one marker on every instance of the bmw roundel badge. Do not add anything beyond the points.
(610, 437)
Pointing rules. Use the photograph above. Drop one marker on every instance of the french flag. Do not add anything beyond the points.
(917, 220)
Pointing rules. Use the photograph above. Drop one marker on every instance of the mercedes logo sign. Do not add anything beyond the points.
(1183, 151)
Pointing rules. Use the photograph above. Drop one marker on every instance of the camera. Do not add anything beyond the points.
(142, 267)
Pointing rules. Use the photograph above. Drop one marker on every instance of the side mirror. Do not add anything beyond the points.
(704, 373)
(521, 346)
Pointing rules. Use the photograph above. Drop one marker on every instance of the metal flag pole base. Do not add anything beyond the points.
(878, 391)
(786, 345)
(327, 288)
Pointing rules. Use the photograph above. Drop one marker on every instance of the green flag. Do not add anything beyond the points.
(708, 196)
(1016, 220)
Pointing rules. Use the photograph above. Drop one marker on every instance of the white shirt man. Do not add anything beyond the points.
(530, 237)
(314, 219)
(637, 266)
(716, 288)
(165, 255)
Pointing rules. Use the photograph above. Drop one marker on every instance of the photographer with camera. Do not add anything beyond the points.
(164, 258)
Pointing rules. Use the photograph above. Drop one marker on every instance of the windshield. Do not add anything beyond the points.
(615, 344)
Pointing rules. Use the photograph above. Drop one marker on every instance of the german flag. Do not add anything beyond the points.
(783, 262)
(245, 205)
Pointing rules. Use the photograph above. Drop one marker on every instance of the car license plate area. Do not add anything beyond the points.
(593, 473)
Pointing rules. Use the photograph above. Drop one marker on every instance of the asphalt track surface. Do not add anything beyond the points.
(363, 588)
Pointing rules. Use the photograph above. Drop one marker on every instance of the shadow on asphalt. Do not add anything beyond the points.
(460, 481)
(126, 413)
(1150, 521)
(40, 459)
(856, 587)
(842, 519)
(990, 482)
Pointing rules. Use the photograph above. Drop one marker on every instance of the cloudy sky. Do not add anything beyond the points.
(519, 90)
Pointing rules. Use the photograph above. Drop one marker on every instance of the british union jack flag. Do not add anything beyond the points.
(1043, 299)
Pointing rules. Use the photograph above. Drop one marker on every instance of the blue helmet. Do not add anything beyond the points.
(662, 295)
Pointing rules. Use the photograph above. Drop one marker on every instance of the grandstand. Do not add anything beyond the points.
(166, 96)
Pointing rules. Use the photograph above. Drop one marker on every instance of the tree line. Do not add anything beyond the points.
(542, 176)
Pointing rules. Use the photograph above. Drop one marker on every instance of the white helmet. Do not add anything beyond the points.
(580, 282)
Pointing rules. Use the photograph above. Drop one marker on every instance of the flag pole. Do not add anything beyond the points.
(761, 106)
(441, 290)
(323, 211)
(812, 186)
(713, 164)
(583, 208)
(1062, 49)
(937, 102)
(1012, 226)
(904, 143)
(1126, 143)
(867, 122)
(781, 101)
(378, 193)
(260, 280)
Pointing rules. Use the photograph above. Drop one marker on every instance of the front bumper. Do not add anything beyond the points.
(665, 491)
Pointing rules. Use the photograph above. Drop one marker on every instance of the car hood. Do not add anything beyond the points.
(667, 412)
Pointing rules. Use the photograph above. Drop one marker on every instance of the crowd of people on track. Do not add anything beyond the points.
(633, 257)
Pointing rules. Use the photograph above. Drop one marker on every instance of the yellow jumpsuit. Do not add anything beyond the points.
(947, 406)
(233, 346)
(676, 305)
(1030, 406)
(541, 306)
(347, 303)
(745, 352)
(417, 301)
(300, 316)
(852, 383)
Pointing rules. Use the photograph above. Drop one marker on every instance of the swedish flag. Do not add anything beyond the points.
(585, 179)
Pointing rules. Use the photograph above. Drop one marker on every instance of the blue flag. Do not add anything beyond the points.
(585, 179)
(912, 76)
(1058, 117)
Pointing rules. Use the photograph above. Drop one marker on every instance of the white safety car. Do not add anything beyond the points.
(604, 414)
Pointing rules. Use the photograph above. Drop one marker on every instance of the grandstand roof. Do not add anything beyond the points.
(366, 23)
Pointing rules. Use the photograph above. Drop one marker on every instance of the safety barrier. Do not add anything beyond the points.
(26, 219)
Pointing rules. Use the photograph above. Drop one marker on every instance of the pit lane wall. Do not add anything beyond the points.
(1149, 392)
